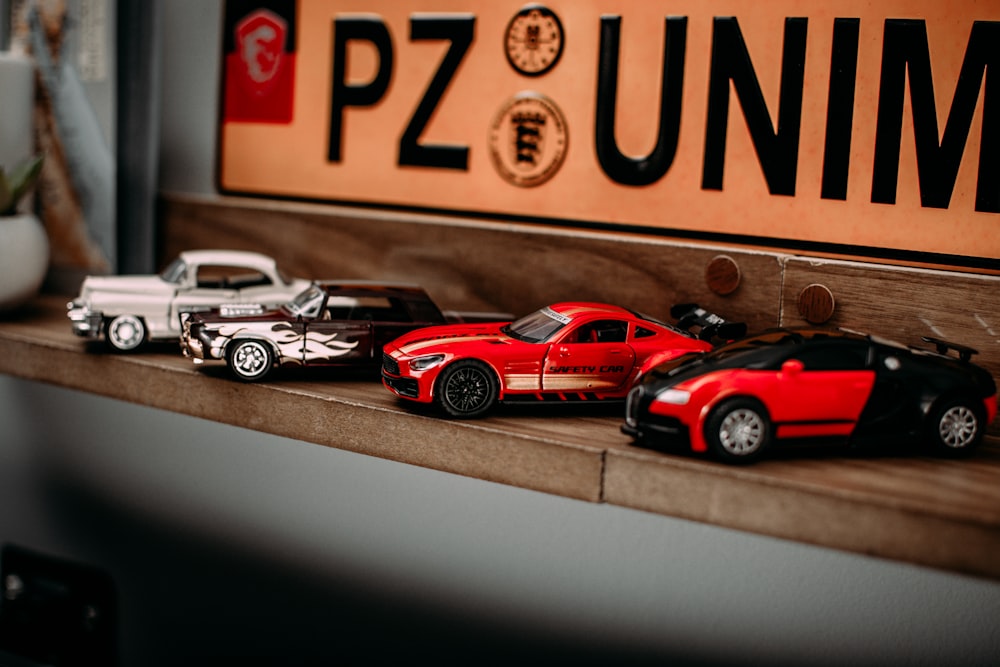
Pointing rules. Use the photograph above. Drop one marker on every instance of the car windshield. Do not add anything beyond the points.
(175, 272)
(308, 301)
(537, 327)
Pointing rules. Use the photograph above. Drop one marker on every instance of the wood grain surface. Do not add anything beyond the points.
(927, 511)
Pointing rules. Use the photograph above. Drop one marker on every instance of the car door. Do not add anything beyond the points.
(822, 388)
(894, 407)
(341, 334)
(592, 356)
(394, 316)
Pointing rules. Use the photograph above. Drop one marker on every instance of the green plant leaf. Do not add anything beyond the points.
(7, 201)
(18, 182)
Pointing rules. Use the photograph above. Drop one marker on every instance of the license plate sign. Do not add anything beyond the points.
(843, 125)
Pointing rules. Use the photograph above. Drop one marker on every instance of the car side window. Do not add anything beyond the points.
(387, 310)
(211, 276)
(364, 308)
(423, 310)
(842, 355)
(643, 332)
(601, 331)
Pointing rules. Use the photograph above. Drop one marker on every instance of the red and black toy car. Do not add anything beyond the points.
(564, 352)
(792, 384)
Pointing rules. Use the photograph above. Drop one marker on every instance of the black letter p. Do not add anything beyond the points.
(363, 95)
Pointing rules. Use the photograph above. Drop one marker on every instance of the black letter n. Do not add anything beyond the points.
(777, 149)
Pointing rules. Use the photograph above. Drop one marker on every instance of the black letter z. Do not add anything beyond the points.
(459, 31)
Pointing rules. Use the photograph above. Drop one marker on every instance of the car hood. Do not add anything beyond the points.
(682, 369)
(217, 317)
(432, 339)
(99, 286)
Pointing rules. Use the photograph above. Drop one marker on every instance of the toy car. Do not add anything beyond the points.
(131, 310)
(563, 352)
(331, 323)
(783, 385)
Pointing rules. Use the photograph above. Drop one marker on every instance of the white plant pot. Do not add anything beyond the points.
(24, 258)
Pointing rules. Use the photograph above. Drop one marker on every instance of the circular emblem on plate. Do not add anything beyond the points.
(534, 40)
(528, 139)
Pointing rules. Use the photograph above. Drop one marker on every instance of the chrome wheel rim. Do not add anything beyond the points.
(958, 427)
(742, 432)
(250, 359)
(126, 332)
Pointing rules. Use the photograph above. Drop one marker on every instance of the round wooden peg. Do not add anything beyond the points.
(816, 303)
(722, 275)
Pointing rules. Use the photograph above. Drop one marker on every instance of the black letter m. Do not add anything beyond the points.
(904, 51)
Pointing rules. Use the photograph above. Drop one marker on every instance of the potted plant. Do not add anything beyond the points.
(24, 247)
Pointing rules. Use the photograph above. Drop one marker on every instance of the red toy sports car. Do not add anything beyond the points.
(564, 352)
(785, 385)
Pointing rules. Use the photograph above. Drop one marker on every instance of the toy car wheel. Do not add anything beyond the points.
(467, 389)
(125, 333)
(956, 427)
(738, 430)
(250, 360)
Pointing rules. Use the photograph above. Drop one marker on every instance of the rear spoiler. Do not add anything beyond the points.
(709, 325)
(943, 346)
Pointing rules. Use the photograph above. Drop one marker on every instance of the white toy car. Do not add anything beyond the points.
(131, 310)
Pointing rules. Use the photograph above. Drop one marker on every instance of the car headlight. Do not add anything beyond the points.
(674, 396)
(429, 361)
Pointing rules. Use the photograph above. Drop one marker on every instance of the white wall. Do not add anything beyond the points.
(224, 541)
(190, 70)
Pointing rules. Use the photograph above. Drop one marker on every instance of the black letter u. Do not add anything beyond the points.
(621, 168)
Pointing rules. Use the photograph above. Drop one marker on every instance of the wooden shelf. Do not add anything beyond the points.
(938, 513)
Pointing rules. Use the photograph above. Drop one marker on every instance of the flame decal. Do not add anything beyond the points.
(295, 347)
(292, 346)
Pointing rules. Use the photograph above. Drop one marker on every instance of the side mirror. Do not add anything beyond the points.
(792, 367)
